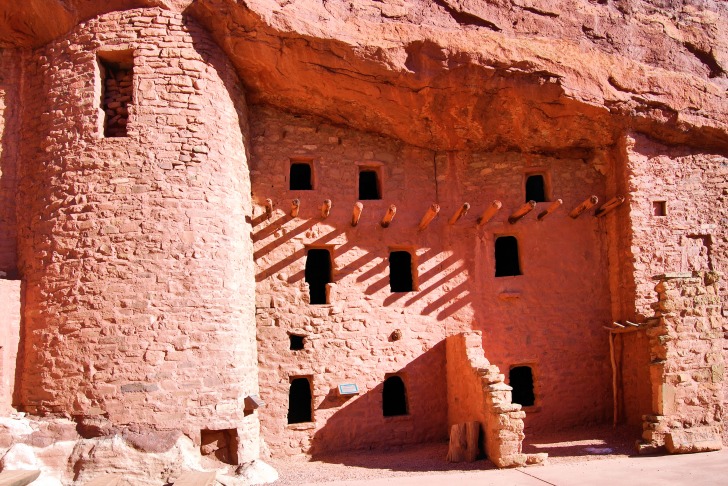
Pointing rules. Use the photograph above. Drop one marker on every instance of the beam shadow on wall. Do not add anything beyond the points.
(452, 294)
(301, 253)
(276, 226)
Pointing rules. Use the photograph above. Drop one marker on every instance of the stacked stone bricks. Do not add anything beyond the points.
(687, 365)
(117, 95)
(137, 256)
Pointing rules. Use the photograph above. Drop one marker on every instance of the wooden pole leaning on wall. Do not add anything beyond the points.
(490, 212)
(326, 209)
(609, 205)
(429, 216)
(552, 207)
(588, 203)
(268, 208)
(356, 214)
(459, 213)
(295, 206)
(521, 212)
(387, 219)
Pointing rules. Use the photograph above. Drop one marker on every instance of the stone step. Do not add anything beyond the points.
(18, 478)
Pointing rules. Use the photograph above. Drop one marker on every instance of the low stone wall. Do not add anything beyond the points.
(687, 365)
(477, 392)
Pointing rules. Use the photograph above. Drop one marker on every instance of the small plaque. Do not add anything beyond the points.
(348, 389)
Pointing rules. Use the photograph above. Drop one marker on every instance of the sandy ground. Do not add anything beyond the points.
(577, 445)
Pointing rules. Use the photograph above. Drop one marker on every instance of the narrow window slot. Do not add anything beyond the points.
(318, 274)
(400, 271)
(117, 76)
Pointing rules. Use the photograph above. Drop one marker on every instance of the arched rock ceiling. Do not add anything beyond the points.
(533, 75)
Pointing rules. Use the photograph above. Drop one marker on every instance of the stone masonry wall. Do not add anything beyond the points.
(135, 250)
(9, 142)
(476, 392)
(687, 366)
(526, 319)
(691, 236)
(9, 340)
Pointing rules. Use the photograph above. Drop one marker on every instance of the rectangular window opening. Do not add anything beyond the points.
(521, 380)
(394, 397)
(300, 401)
(117, 75)
(318, 274)
(401, 275)
(659, 208)
(296, 342)
(506, 257)
(370, 186)
(301, 176)
(536, 188)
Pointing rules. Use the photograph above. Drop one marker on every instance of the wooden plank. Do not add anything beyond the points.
(105, 480)
(196, 478)
(18, 478)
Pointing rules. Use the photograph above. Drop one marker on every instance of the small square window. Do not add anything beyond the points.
(506, 257)
(536, 188)
(370, 187)
(659, 208)
(296, 342)
(401, 271)
(301, 176)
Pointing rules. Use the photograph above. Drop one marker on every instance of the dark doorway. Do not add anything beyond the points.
(301, 177)
(369, 187)
(521, 380)
(535, 188)
(506, 257)
(318, 274)
(296, 342)
(394, 397)
(299, 401)
(400, 271)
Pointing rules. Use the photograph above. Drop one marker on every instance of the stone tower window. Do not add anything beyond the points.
(301, 176)
(521, 380)
(400, 271)
(506, 257)
(318, 274)
(116, 68)
(394, 397)
(370, 186)
(299, 401)
(659, 208)
(536, 188)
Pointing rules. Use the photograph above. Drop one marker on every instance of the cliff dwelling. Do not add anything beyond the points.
(232, 231)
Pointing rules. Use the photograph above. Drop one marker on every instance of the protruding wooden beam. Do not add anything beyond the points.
(387, 219)
(326, 208)
(268, 208)
(356, 214)
(521, 212)
(588, 203)
(490, 212)
(459, 213)
(295, 206)
(609, 205)
(552, 207)
(429, 216)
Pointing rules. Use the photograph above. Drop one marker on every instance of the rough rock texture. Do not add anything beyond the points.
(142, 253)
(687, 367)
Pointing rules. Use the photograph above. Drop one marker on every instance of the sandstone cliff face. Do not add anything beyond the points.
(572, 74)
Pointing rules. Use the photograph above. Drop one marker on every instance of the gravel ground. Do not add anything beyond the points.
(569, 446)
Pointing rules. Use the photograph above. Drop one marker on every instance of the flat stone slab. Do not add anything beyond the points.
(105, 480)
(196, 478)
(18, 478)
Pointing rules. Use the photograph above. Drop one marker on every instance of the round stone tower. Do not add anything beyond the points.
(135, 251)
